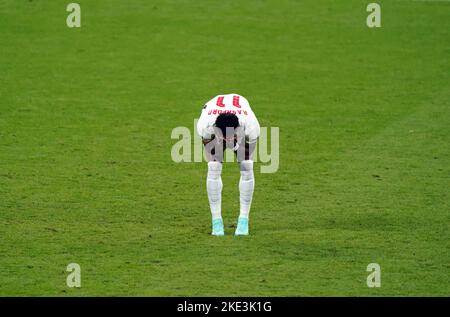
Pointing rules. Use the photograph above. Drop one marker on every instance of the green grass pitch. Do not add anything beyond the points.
(86, 175)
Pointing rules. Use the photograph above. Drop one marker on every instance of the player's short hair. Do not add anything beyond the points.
(227, 120)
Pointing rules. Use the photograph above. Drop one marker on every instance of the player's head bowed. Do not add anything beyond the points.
(228, 128)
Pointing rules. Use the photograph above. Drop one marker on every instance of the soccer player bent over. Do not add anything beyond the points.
(227, 121)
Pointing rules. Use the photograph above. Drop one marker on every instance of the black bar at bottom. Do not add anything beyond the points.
(217, 305)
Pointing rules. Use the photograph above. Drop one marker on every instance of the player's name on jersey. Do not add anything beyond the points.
(219, 111)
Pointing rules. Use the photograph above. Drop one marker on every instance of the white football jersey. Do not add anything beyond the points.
(235, 104)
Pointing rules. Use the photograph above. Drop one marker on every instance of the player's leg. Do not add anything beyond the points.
(246, 188)
(214, 188)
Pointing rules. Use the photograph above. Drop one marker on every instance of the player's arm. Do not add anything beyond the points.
(206, 141)
(248, 144)
(204, 129)
(207, 134)
(252, 129)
